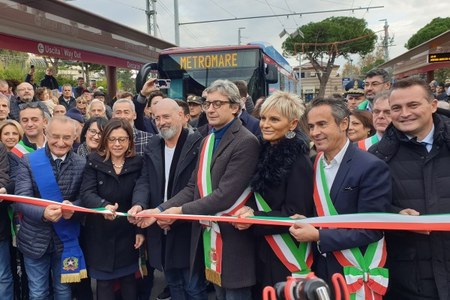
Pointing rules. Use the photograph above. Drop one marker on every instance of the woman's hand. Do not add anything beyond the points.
(139, 241)
(243, 212)
(113, 209)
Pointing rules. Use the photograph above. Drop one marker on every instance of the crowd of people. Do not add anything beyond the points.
(382, 147)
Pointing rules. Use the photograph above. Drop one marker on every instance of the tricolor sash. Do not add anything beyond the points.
(297, 259)
(212, 239)
(20, 149)
(73, 263)
(365, 276)
(369, 142)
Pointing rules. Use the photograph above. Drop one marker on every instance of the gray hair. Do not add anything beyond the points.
(339, 108)
(62, 120)
(96, 101)
(384, 95)
(124, 100)
(4, 97)
(226, 88)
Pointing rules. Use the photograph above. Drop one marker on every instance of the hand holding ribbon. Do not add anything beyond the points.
(165, 223)
(243, 212)
(112, 209)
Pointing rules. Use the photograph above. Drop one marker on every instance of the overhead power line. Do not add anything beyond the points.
(281, 15)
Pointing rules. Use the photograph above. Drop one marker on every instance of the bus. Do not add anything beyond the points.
(191, 70)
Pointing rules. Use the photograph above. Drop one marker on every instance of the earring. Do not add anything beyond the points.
(290, 134)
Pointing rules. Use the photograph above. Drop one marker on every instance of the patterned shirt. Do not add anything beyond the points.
(141, 140)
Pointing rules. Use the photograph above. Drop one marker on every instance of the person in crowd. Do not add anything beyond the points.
(195, 108)
(125, 109)
(91, 135)
(441, 94)
(247, 99)
(347, 180)
(66, 98)
(4, 88)
(416, 147)
(59, 110)
(75, 115)
(6, 277)
(49, 81)
(4, 107)
(112, 243)
(231, 154)
(78, 90)
(257, 108)
(96, 109)
(81, 106)
(361, 125)
(10, 133)
(169, 162)
(433, 86)
(25, 94)
(249, 122)
(43, 95)
(284, 171)
(381, 115)
(144, 116)
(376, 81)
(354, 93)
(33, 122)
(92, 86)
(48, 238)
(99, 95)
(185, 111)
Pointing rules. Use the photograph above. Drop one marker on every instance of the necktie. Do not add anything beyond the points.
(58, 162)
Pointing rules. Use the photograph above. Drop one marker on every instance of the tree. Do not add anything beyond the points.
(327, 40)
(429, 31)
(371, 61)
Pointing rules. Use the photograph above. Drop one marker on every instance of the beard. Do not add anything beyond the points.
(168, 132)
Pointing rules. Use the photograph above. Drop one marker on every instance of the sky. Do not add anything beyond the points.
(404, 18)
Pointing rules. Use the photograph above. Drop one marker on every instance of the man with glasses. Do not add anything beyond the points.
(66, 99)
(25, 94)
(230, 151)
(376, 81)
(125, 109)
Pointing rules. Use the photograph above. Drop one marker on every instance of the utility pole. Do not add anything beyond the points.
(386, 41)
(177, 23)
(152, 25)
(239, 35)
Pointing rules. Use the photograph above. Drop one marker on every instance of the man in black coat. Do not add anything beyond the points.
(417, 149)
(66, 99)
(49, 81)
(169, 162)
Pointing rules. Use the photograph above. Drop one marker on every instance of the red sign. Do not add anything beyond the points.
(46, 49)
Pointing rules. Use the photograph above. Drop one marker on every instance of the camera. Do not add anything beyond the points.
(308, 288)
(163, 83)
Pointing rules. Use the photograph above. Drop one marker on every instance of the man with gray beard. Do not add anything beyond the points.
(169, 161)
(25, 94)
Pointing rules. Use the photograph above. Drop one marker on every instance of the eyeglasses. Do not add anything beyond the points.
(121, 140)
(374, 84)
(94, 132)
(216, 104)
(35, 104)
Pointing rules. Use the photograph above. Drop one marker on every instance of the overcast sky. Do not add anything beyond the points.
(404, 18)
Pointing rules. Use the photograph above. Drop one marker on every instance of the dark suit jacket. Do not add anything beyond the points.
(149, 192)
(362, 184)
(232, 167)
(250, 122)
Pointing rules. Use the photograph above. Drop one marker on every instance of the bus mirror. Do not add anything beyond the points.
(142, 75)
(271, 74)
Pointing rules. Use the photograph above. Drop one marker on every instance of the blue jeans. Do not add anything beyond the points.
(233, 294)
(6, 278)
(182, 287)
(38, 271)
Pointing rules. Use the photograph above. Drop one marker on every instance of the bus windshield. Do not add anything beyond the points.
(192, 72)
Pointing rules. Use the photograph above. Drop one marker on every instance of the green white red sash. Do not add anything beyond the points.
(20, 149)
(297, 259)
(212, 239)
(365, 276)
(369, 142)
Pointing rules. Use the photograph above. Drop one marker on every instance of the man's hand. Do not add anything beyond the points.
(303, 232)
(243, 212)
(132, 212)
(139, 241)
(53, 213)
(149, 86)
(67, 214)
(145, 222)
(165, 223)
(113, 209)
(413, 212)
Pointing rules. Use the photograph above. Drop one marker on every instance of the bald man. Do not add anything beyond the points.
(169, 162)
(25, 94)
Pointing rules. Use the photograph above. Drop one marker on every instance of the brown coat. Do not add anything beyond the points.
(232, 167)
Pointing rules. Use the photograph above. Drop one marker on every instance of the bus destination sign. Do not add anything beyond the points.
(439, 57)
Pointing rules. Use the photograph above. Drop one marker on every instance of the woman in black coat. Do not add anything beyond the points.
(112, 242)
(283, 181)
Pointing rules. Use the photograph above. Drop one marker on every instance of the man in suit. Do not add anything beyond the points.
(169, 161)
(230, 265)
(356, 182)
